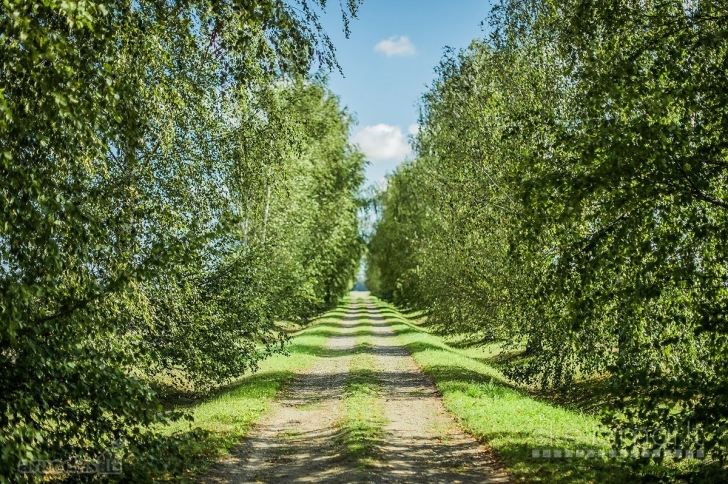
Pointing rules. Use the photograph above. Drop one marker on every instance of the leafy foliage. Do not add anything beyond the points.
(569, 196)
(172, 183)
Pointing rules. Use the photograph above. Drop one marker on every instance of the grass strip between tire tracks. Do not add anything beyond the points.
(362, 425)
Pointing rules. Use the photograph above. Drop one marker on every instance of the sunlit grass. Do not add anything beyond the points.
(221, 422)
(514, 422)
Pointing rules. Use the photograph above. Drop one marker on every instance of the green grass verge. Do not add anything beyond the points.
(221, 422)
(361, 428)
(514, 423)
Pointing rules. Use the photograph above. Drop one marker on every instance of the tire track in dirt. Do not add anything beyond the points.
(423, 443)
(298, 439)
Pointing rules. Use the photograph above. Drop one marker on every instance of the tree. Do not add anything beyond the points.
(142, 146)
(571, 172)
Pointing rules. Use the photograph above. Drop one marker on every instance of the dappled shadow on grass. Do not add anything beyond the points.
(339, 452)
(178, 394)
(405, 312)
(249, 383)
(457, 378)
(514, 449)
(175, 397)
(179, 451)
(357, 330)
(516, 446)
(319, 456)
(589, 395)
(224, 414)
(477, 397)
(469, 342)
(331, 315)
(201, 442)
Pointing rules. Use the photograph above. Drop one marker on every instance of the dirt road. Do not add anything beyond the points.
(299, 439)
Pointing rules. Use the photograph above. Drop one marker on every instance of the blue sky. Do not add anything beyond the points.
(388, 62)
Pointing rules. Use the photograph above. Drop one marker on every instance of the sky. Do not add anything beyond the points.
(388, 62)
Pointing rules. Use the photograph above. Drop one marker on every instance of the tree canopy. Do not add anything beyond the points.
(568, 197)
(174, 181)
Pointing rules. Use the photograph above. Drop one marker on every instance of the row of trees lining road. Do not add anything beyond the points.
(569, 197)
(173, 182)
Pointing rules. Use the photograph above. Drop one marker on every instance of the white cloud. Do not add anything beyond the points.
(399, 45)
(383, 142)
(413, 129)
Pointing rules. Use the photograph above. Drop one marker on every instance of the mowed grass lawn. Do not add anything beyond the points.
(514, 422)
